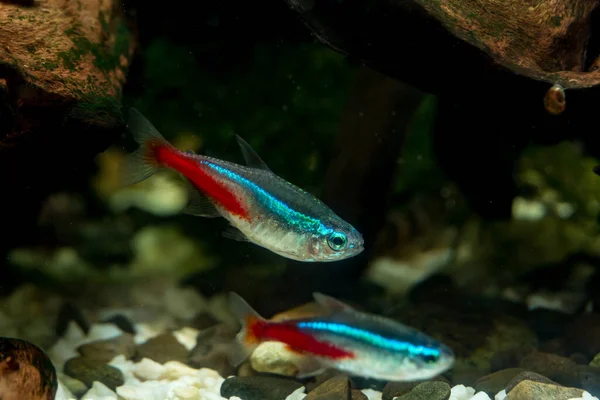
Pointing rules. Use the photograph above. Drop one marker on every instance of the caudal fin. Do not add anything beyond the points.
(142, 163)
(248, 337)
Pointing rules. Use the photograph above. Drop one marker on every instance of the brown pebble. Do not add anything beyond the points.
(548, 365)
(103, 351)
(428, 391)
(204, 321)
(245, 370)
(397, 389)
(336, 388)
(579, 358)
(323, 377)
(583, 335)
(527, 376)
(212, 348)
(510, 358)
(496, 381)
(162, 348)
(358, 395)
(528, 390)
(89, 371)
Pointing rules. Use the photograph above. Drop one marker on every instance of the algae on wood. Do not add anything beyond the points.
(493, 64)
(70, 57)
(63, 64)
(462, 40)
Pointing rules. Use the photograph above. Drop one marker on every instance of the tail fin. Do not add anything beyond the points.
(249, 336)
(142, 163)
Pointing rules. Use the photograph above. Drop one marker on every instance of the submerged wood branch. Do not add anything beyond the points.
(57, 57)
(453, 45)
(62, 67)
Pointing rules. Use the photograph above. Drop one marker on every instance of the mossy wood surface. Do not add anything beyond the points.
(66, 57)
(545, 40)
(435, 42)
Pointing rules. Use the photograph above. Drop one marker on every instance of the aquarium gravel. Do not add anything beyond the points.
(173, 380)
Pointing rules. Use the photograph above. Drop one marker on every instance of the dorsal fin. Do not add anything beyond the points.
(252, 159)
(330, 303)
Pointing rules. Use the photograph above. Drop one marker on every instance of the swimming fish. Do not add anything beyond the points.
(261, 207)
(345, 339)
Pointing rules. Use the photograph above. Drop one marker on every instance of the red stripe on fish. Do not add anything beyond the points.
(200, 178)
(300, 341)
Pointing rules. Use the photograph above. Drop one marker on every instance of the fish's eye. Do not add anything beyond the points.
(430, 358)
(337, 241)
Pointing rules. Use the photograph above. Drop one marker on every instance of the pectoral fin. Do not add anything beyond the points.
(199, 205)
(309, 367)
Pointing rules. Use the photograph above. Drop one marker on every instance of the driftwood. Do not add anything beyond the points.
(62, 67)
(508, 73)
(61, 56)
(444, 45)
(360, 176)
(25, 371)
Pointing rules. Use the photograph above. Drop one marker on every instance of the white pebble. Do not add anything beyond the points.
(62, 393)
(74, 332)
(184, 393)
(481, 396)
(585, 396)
(127, 367)
(99, 391)
(461, 392)
(102, 332)
(65, 347)
(148, 369)
(150, 390)
(174, 370)
(372, 394)
(187, 337)
(297, 394)
(205, 395)
(501, 395)
(144, 332)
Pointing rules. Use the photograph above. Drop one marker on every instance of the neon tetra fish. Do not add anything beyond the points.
(261, 207)
(347, 340)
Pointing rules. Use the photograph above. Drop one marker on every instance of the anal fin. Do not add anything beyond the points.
(307, 365)
(235, 234)
(199, 205)
(238, 352)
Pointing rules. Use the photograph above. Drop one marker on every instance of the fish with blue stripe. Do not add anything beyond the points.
(343, 338)
(261, 207)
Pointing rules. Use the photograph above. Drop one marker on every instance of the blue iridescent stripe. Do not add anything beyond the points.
(369, 337)
(301, 222)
